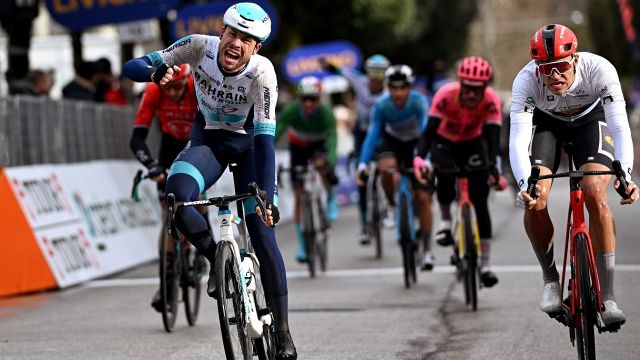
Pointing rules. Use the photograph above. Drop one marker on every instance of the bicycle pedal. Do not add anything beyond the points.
(560, 317)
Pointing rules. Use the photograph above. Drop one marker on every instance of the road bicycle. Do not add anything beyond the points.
(581, 310)
(375, 208)
(313, 216)
(181, 267)
(246, 322)
(466, 236)
(405, 225)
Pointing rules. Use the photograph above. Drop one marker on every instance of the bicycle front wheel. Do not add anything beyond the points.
(265, 346)
(470, 259)
(233, 323)
(586, 316)
(323, 235)
(169, 282)
(375, 223)
(309, 232)
(407, 248)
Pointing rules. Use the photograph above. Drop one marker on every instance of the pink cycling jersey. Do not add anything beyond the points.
(460, 123)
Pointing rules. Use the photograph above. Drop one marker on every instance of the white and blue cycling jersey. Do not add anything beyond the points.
(403, 124)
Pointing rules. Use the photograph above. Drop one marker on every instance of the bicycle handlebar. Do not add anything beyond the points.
(136, 181)
(617, 171)
(225, 200)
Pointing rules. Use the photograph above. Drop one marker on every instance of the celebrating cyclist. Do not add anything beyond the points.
(367, 89)
(311, 131)
(175, 106)
(236, 91)
(463, 116)
(566, 97)
(399, 117)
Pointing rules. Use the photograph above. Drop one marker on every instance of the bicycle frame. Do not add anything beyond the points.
(463, 199)
(405, 189)
(226, 218)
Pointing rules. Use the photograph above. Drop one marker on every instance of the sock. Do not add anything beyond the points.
(426, 239)
(547, 263)
(279, 306)
(485, 247)
(301, 250)
(605, 263)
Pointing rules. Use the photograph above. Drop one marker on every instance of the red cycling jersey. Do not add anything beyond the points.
(176, 117)
(459, 123)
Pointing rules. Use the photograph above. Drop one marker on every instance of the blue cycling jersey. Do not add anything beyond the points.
(403, 124)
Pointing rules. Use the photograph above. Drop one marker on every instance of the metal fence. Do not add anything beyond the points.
(37, 130)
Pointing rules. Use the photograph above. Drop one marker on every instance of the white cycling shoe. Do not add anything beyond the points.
(551, 301)
(612, 315)
(389, 220)
(427, 261)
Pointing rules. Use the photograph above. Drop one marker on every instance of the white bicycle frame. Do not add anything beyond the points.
(246, 270)
(314, 186)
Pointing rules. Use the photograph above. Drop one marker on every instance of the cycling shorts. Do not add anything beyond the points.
(588, 139)
(300, 156)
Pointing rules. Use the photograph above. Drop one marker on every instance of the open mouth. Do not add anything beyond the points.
(231, 55)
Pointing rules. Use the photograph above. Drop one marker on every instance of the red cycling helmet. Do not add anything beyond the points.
(474, 71)
(185, 71)
(553, 41)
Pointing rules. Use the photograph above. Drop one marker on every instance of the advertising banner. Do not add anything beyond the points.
(305, 60)
(81, 14)
(84, 220)
(206, 18)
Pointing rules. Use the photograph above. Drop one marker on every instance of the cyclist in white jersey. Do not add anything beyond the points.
(567, 98)
(236, 90)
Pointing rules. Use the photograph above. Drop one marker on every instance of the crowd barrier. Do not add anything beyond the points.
(68, 223)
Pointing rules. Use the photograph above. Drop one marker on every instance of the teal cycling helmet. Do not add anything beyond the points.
(250, 19)
(377, 62)
(309, 86)
(376, 65)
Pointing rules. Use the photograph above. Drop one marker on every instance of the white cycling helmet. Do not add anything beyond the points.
(250, 19)
(309, 86)
(399, 75)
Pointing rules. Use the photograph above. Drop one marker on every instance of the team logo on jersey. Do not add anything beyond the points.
(607, 99)
(530, 100)
(550, 97)
(242, 89)
(210, 55)
(608, 139)
(178, 44)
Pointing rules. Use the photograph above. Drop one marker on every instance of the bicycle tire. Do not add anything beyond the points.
(586, 316)
(470, 257)
(194, 267)
(169, 284)
(375, 224)
(265, 346)
(405, 239)
(231, 305)
(309, 233)
(323, 236)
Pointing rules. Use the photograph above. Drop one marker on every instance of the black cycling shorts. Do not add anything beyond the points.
(401, 150)
(300, 156)
(588, 140)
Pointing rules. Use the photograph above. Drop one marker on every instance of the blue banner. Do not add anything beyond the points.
(304, 60)
(207, 19)
(81, 14)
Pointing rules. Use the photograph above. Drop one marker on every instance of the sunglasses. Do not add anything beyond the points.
(561, 67)
(309, 98)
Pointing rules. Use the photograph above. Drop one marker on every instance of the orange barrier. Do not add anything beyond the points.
(23, 268)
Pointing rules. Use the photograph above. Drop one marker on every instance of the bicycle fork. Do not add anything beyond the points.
(245, 268)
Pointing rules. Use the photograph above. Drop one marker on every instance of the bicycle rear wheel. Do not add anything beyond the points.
(233, 323)
(408, 255)
(470, 259)
(194, 268)
(169, 281)
(309, 232)
(264, 346)
(322, 239)
(586, 315)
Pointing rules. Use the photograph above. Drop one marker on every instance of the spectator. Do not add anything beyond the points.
(102, 79)
(37, 82)
(82, 86)
(121, 92)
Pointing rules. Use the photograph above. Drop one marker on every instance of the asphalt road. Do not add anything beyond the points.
(357, 310)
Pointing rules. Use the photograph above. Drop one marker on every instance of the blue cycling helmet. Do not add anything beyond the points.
(250, 19)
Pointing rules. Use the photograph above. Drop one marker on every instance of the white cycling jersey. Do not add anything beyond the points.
(226, 101)
(596, 81)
